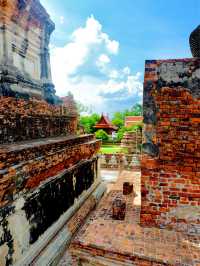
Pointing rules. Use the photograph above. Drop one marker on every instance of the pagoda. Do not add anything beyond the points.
(105, 124)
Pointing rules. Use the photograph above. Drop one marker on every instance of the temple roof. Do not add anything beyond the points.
(105, 122)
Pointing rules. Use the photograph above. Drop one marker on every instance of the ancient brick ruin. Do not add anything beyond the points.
(132, 141)
(170, 164)
(46, 170)
(49, 176)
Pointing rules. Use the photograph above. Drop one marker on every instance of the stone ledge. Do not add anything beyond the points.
(25, 165)
(32, 144)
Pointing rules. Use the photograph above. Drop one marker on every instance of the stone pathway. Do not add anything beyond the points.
(126, 241)
(109, 175)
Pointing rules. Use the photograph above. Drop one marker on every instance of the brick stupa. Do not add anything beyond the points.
(46, 170)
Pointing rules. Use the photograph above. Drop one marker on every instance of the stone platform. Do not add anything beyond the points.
(103, 241)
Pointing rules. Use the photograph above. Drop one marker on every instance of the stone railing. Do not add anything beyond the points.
(120, 161)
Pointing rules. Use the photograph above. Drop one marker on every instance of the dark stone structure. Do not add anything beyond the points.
(127, 188)
(119, 208)
(195, 42)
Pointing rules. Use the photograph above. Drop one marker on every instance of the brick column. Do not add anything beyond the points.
(171, 148)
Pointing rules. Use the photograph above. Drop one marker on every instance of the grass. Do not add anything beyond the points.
(112, 148)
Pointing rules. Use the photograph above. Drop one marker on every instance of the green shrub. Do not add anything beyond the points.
(101, 134)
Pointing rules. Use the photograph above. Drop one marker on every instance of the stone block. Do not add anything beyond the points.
(119, 208)
(127, 188)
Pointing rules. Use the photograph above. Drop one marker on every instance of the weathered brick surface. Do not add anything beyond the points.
(31, 119)
(28, 164)
(45, 205)
(171, 149)
(44, 166)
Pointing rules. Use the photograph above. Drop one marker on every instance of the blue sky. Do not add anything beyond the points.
(99, 47)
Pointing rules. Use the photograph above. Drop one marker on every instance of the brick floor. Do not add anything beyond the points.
(126, 240)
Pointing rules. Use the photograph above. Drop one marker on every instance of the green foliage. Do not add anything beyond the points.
(122, 130)
(137, 110)
(117, 121)
(112, 148)
(119, 117)
(88, 122)
(120, 133)
(101, 134)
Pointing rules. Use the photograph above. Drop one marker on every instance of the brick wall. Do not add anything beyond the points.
(31, 119)
(171, 149)
(44, 169)
(23, 167)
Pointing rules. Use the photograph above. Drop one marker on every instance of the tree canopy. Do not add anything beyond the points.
(119, 117)
(89, 121)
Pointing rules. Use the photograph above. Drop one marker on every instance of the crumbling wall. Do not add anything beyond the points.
(171, 149)
(33, 213)
(25, 166)
(22, 120)
(45, 168)
(39, 181)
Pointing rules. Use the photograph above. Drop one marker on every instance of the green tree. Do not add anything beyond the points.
(119, 117)
(101, 134)
(118, 122)
(137, 110)
(88, 122)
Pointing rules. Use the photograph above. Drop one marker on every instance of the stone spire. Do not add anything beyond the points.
(24, 54)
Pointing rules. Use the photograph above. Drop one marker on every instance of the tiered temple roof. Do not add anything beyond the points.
(105, 124)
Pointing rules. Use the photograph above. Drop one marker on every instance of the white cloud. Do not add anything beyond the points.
(114, 74)
(134, 85)
(62, 20)
(103, 58)
(90, 34)
(66, 60)
(112, 45)
(84, 66)
(131, 83)
(126, 70)
(102, 63)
